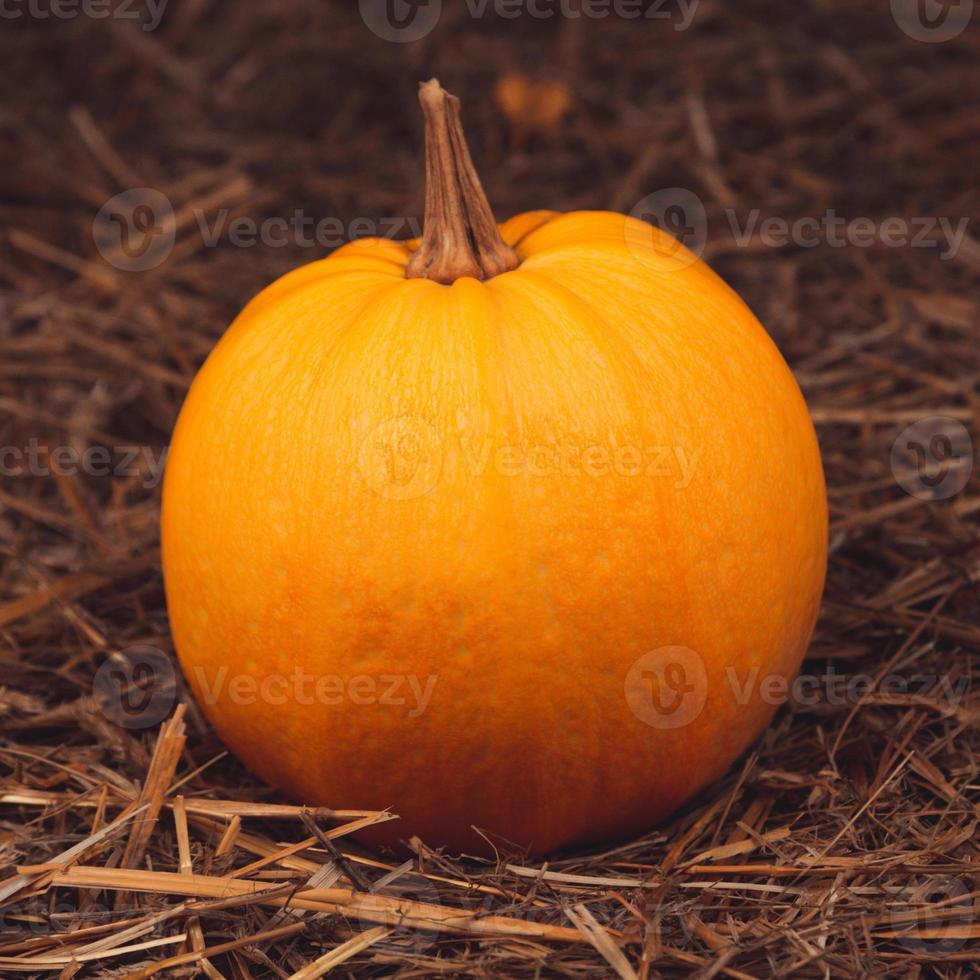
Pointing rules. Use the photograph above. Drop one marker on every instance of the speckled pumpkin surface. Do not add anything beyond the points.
(516, 554)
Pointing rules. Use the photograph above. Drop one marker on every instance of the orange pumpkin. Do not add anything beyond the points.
(509, 531)
(532, 103)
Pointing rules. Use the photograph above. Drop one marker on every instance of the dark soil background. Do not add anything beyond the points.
(846, 843)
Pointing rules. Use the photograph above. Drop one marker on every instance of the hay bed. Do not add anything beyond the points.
(844, 844)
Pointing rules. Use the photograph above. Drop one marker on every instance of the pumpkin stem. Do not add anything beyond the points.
(460, 237)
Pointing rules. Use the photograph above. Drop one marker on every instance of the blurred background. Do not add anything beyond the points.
(160, 162)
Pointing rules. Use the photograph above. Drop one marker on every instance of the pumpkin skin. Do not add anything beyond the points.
(377, 477)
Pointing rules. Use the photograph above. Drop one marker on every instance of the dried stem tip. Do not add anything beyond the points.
(460, 237)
